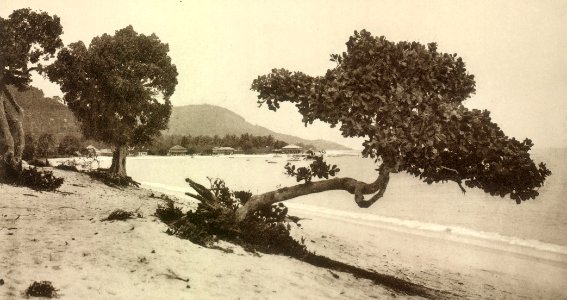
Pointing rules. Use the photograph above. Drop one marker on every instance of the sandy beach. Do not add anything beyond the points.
(60, 237)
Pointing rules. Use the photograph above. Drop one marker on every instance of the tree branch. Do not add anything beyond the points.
(353, 186)
(459, 183)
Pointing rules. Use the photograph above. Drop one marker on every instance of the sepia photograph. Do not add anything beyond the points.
(258, 149)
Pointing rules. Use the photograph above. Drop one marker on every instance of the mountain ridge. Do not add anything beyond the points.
(207, 119)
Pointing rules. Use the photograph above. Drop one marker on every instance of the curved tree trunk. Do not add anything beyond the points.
(11, 126)
(118, 166)
(353, 186)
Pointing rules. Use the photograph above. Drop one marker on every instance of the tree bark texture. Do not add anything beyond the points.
(118, 166)
(11, 126)
(353, 186)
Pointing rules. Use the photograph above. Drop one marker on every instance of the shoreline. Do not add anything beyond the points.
(60, 237)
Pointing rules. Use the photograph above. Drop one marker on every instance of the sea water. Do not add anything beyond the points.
(408, 203)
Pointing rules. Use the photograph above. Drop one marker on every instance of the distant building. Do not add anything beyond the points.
(105, 152)
(292, 149)
(223, 150)
(177, 150)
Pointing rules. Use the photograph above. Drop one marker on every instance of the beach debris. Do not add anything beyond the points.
(41, 289)
(142, 260)
(335, 275)
(119, 215)
(172, 275)
(39, 180)
(167, 212)
(1, 281)
(225, 250)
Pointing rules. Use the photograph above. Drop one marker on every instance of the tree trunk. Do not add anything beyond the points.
(118, 166)
(353, 186)
(11, 159)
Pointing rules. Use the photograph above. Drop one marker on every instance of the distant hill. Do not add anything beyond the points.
(48, 115)
(45, 115)
(213, 120)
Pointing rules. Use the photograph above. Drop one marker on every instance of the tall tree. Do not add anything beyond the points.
(119, 87)
(406, 100)
(46, 145)
(26, 38)
(68, 145)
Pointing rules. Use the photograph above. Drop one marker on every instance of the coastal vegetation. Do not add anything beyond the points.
(406, 100)
(27, 38)
(119, 88)
(204, 144)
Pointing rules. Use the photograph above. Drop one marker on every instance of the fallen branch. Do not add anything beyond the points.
(173, 275)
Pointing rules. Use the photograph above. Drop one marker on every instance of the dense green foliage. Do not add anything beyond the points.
(119, 87)
(406, 100)
(318, 168)
(26, 39)
(69, 145)
(204, 144)
(45, 144)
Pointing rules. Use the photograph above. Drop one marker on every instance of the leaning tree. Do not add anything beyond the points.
(406, 101)
(119, 88)
(26, 39)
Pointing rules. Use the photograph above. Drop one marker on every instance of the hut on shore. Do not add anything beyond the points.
(292, 149)
(177, 150)
(224, 150)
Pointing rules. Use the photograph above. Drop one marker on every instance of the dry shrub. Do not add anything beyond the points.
(119, 215)
(41, 289)
(41, 180)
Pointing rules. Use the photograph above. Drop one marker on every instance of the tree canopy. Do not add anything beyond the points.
(119, 87)
(406, 100)
(27, 38)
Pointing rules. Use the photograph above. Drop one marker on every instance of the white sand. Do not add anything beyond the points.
(59, 237)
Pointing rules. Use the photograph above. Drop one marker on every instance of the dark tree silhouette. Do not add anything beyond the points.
(26, 39)
(46, 145)
(406, 100)
(119, 89)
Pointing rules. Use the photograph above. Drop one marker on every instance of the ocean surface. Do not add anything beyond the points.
(408, 203)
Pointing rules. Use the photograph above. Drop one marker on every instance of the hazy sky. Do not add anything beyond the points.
(516, 50)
